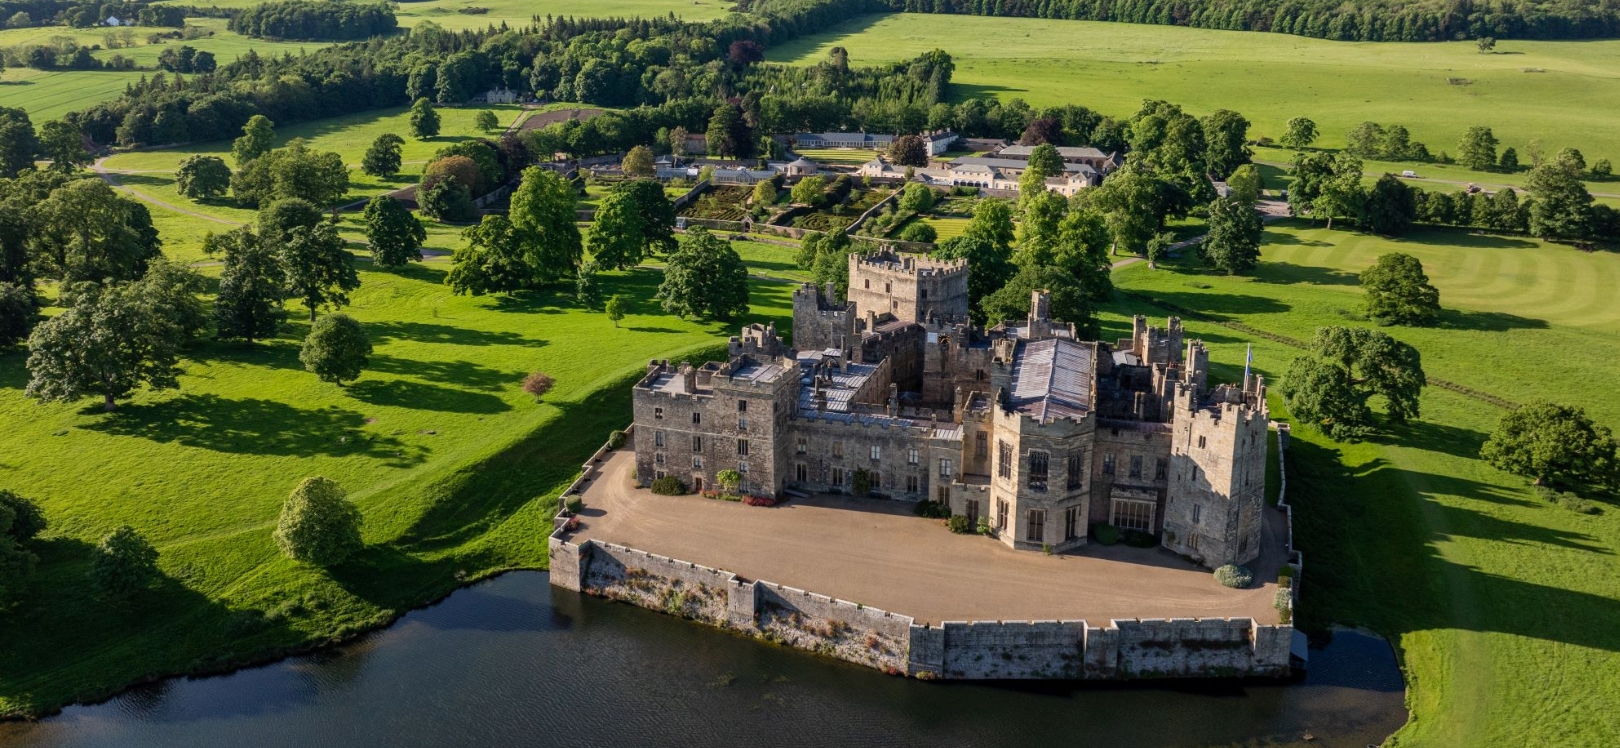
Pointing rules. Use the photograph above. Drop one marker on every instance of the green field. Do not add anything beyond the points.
(839, 156)
(1267, 77)
(1500, 604)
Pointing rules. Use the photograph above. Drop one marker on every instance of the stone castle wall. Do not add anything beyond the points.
(896, 644)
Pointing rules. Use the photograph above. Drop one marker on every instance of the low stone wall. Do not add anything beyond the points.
(895, 643)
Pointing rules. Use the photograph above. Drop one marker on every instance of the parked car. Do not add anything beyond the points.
(1409, 174)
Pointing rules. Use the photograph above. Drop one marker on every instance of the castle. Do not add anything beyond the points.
(1023, 427)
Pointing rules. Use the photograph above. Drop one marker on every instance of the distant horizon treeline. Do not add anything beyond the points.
(304, 19)
(1339, 20)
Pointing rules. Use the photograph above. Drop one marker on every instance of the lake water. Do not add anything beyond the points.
(515, 662)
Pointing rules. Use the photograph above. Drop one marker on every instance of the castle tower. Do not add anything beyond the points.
(1216, 495)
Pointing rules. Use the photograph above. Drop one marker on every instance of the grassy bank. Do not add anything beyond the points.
(1494, 599)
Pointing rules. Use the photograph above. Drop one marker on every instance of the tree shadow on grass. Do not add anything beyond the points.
(1434, 437)
(1372, 540)
(429, 332)
(279, 353)
(403, 393)
(1465, 238)
(419, 271)
(1288, 274)
(461, 373)
(1277, 237)
(476, 500)
(255, 426)
(1218, 307)
(1461, 319)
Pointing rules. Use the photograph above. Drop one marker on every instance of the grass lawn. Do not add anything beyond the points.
(1499, 603)
(844, 156)
(946, 228)
(1269, 78)
(454, 467)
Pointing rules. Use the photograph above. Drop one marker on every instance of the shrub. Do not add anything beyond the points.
(539, 383)
(984, 528)
(616, 439)
(1234, 576)
(759, 501)
(958, 523)
(1567, 500)
(1105, 533)
(669, 485)
(575, 504)
(728, 480)
(1139, 539)
(862, 482)
(917, 231)
(336, 348)
(931, 509)
(1283, 600)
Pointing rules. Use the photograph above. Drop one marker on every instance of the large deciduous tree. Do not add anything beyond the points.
(252, 285)
(424, 120)
(543, 212)
(336, 349)
(395, 236)
(1561, 206)
(638, 162)
(1399, 293)
(88, 232)
(1301, 133)
(63, 143)
(383, 156)
(1233, 243)
(203, 177)
(634, 222)
(1390, 207)
(320, 271)
(318, 524)
(109, 342)
(1347, 366)
(1554, 445)
(1070, 301)
(18, 143)
(492, 260)
(729, 134)
(705, 278)
(1226, 142)
(909, 150)
(258, 137)
(1477, 149)
(18, 310)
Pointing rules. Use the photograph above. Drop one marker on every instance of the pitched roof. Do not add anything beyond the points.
(1052, 378)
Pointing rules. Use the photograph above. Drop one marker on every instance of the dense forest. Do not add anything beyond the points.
(1352, 20)
(303, 19)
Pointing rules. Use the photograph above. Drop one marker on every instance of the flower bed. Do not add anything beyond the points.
(759, 501)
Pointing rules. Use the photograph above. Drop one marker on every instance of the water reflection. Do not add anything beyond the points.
(513, 661)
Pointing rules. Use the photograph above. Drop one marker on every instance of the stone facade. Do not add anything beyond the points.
(1023, 428)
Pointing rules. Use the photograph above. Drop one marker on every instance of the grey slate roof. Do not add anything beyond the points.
(1052, 379)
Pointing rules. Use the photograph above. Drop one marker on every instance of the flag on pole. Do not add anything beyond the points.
(1247, 360)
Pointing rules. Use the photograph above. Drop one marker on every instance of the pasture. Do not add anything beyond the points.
(1492, 596)
(1269, 78)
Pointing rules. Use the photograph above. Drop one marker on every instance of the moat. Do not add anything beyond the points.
(516, 661)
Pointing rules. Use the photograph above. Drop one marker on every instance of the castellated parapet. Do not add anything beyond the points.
(910, 287)
(1217, 475)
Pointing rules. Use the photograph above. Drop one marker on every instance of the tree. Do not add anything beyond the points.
(21, 519)
(203, 177)
(543, 214)
(448, 201)
(277, 220)
(171, 290)
(19, 20)
(1245, 184)
(1553, 445)
(728, 480)
(1042, 130)
(1477, 149)
(318, 524)
(1043, 213)
(1134, 204)
(1486, 44)
(638, 162)
(16, 561)
(586, 290)
(745, 52)
(916, 198)
(486, 120)
(705, 278)
(634, 222)
(258, 137)
(336, 349)
(18, 309)
(424, 120)
(251, 285)
(461, 169)
(320, 271)
(124, 563)
(1045, 159)
(1301, 133)
(1561, 207)
(89, 232)
(109, 342)
(63, 143)
(614, 308)
(1338, 192)
(394, 234)
(382, 158)
(809, 191)
(1601, 169)
(1226, 139)
(729, 134)
(908, 150)
(1509, 161)
(1399, 293)
(677, 141)
(538, 383)
(1573, 158)
(918, 231)
(765, 193)
(294, 171)
(1346, 367)
(1233, 242)
(1390, 207)
(492, 260)
(992, 221)
(1069, 300)
(18, 143)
